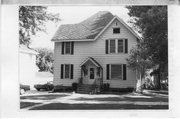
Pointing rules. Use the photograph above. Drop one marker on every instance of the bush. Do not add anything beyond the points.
(74, 86)
(130, 89)
(61, 88)
(106, 86)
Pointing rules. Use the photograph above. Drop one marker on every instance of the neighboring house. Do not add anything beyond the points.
(27, 66)
(95, 48)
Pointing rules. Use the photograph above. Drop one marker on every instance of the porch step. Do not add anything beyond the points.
(86, 89)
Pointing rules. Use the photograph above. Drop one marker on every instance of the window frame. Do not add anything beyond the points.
(123, 40)
(65, 71)
(90, 73)
(111, 72)
(65, 48)
(117, 28)
(110, 46)
(116, 46)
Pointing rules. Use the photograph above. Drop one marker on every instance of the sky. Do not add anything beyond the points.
(71, 15)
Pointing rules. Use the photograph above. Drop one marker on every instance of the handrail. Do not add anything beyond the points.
(80, 80)
(98, 82)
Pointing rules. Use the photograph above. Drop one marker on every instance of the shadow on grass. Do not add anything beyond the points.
(165, 92)
(125, 99)
(66, 106)
(27, 104)
(42, 97)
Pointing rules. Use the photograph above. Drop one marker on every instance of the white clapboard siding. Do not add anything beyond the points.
(96, 49)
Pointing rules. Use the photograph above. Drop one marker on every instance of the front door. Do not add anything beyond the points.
(91, 75)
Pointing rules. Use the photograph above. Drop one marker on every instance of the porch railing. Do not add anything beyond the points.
(80, 80)
(98, 82)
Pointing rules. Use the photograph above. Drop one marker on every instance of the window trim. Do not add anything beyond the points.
(65, 71)
(116, 46)
(110, 72)
(116, 28)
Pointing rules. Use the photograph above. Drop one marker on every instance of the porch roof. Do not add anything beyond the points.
(92, 60)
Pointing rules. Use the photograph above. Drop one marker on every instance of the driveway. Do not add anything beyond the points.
(69, 101)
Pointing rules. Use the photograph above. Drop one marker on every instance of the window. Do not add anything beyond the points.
(112, 46)
(116, 72)
(91, 73)
(115, 46)
(116, 30)
(120, 46)
(67, 47)
(67, 71)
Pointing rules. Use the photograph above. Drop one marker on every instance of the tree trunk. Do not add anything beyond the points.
(159, 79)
(139, 83)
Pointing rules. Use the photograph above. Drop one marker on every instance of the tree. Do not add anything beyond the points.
(44, 59)
(151, 22)
(138, 62)
(31, 20)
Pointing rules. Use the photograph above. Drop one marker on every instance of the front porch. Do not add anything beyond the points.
(91, 80)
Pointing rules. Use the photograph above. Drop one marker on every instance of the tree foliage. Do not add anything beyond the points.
(31, 20)
(151, 22)
(45, 59)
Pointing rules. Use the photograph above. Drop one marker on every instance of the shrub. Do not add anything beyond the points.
(130, 89)
(61, 88)
(106, 86)
(74, 86)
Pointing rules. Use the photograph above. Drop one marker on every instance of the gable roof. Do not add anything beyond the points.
(89, 29)
(119, 19)
(92, 60)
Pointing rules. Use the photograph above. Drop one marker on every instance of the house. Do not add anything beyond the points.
(27, 66)
(94, 51)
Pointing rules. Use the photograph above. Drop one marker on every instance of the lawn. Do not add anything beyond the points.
(32, 100)
(108, 102)
(152, 99)
(27, 104)
(66, 106)
(41, 97)
(74, 101)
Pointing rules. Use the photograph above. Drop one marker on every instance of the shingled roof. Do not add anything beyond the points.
(87, 29)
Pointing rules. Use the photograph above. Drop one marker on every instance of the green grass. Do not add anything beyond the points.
(66, 106)
(27, 104)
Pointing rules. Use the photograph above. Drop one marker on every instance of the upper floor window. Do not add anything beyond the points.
(112, 46)
(116, 46)
(120, 46)
(67, 47)
(116, 30)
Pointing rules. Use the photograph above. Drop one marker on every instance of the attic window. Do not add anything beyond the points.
(116, 30)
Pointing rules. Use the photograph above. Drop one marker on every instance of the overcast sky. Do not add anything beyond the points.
(71, 15)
